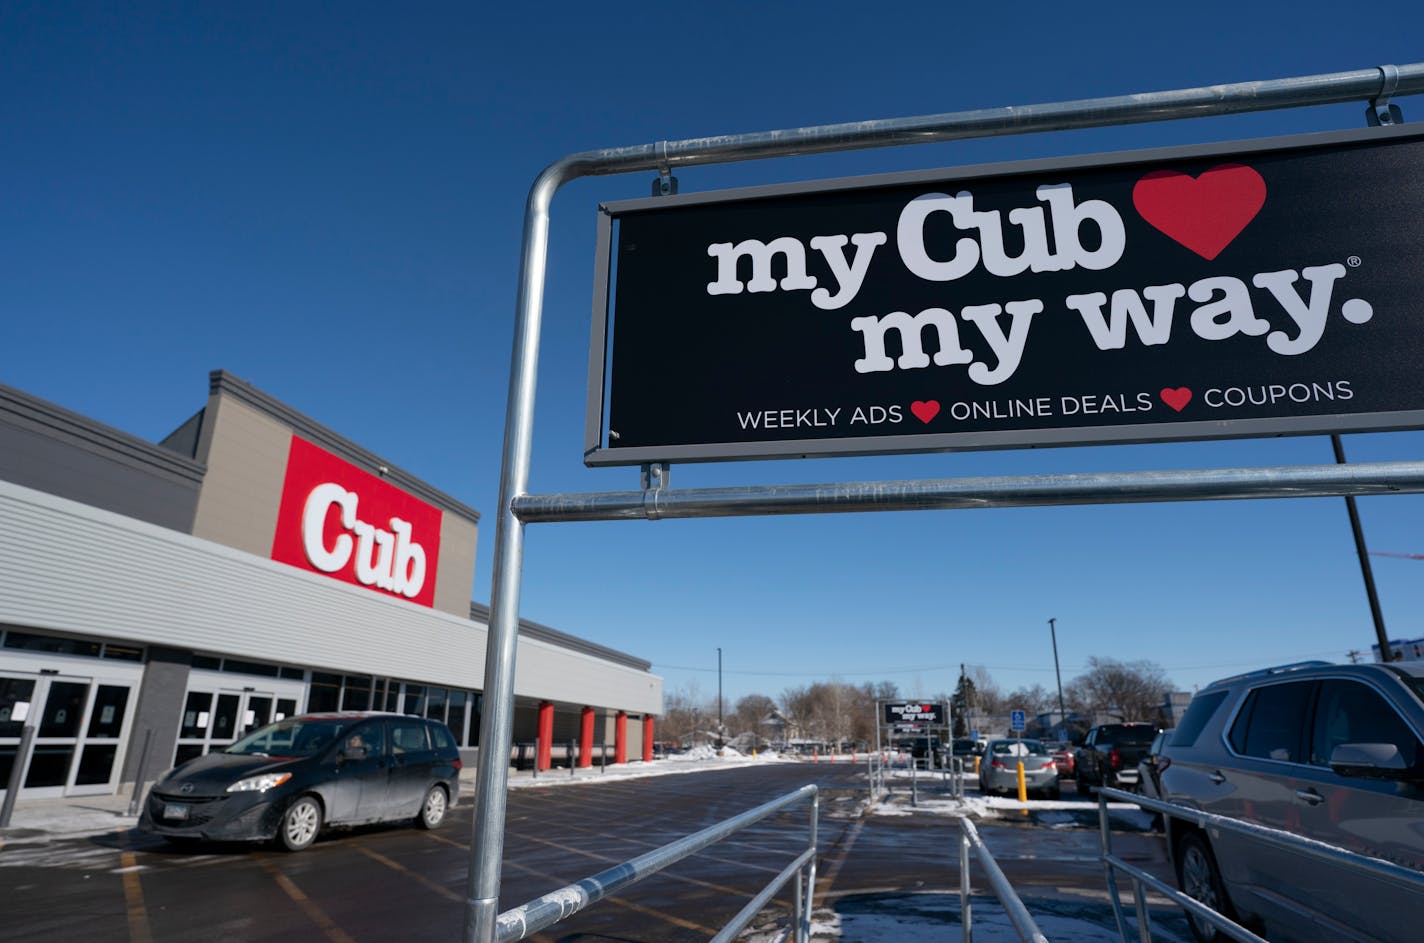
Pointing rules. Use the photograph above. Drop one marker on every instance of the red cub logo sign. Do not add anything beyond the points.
(340, 521)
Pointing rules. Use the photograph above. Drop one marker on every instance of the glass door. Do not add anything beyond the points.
(17, 698)
(79, 731)
(215, 716)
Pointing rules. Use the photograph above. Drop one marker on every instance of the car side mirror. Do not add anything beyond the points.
(1369, 761)
(354, 753)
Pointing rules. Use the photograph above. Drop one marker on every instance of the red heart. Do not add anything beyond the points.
(1202, 213)
(926, 410)
(1178, 398)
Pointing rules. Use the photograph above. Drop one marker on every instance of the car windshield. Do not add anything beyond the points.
(295, 736)
(1017, 748)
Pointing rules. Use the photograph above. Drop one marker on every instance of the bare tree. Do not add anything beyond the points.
(1127, 691)
(684, 715)
(1034, 699)
(749, 714)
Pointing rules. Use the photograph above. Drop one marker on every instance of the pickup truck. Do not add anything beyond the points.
(1110, 754)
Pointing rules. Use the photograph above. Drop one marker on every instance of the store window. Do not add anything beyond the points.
(325, 693)
(122, 652)
(51, 643)
(456, 719)
(357, 696)
(435, 704)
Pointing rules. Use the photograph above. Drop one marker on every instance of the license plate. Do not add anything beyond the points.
(175, 811)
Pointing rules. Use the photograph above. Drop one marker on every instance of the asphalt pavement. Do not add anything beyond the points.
(77, 870)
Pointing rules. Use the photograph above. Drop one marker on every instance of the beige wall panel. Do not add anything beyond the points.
(247, 463)
(455, 574)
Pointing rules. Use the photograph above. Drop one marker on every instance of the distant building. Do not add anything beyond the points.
(1404, 649)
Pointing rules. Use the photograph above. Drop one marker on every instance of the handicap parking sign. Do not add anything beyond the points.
(1017, 720)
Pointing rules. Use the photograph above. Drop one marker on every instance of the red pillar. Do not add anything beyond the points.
(620, 738)
(546, 734)
(586, 739)
(647, 738)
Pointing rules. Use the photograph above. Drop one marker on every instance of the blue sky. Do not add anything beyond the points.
(327, 199)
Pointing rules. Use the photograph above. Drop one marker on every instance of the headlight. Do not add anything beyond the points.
(259, 783)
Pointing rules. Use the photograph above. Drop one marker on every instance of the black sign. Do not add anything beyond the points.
(1272, 287)
(915, 713)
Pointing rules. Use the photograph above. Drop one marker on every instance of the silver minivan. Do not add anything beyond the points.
(1329, 752)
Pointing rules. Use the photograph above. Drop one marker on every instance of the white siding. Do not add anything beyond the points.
(70, 567)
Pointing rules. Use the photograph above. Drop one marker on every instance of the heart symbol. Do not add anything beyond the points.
(926, 410)
(1178, 398)
(1202, 213)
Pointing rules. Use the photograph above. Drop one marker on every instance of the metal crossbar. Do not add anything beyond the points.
(520, 922)
(1373, 867)
(1018, 914)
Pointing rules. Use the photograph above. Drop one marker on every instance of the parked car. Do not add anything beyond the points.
(1110, 754)
(290, 779)
(1333, 753)
(999, 771)
(1150, 767)
(1062, 754)
(929, 749)
(966, 747)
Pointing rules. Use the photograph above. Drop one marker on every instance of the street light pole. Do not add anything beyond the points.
(1062, 713)
(719, 700)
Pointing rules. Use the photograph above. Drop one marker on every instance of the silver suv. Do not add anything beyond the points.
(1329, 752)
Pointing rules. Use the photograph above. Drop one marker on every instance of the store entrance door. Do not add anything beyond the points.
(80, 727)
(214, 715)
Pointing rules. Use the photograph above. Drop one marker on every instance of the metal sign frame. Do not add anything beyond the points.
(517, 508)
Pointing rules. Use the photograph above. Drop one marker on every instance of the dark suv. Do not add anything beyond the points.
(929, 749)
(1110, 754)
(1333, 753)
(290, 779)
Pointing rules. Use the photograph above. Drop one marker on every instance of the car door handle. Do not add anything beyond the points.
(1310, 796)
(1216, 777)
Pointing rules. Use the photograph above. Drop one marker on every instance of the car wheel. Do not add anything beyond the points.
(300, 824)
(433, 809)
(1199, 879)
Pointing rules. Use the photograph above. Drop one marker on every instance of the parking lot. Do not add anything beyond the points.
(397, 883)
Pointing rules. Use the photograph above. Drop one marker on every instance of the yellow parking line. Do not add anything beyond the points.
(314, 913)
(397, 866)
(833, 868)
(139, 931)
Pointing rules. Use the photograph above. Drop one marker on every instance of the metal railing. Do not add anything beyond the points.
(875, 773)
(1372, 867)
(1014, 908)
(519, 922)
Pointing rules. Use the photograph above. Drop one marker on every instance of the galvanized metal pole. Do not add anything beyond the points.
(1386, 654)
(1062, 712)
(496, 724)
(12, 789)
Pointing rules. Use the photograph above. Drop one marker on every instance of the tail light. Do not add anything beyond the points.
(459, 764)
(997, 764)
(1115, 759)
(1050, 764)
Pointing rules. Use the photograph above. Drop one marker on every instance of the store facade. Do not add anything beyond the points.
(157, 600)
